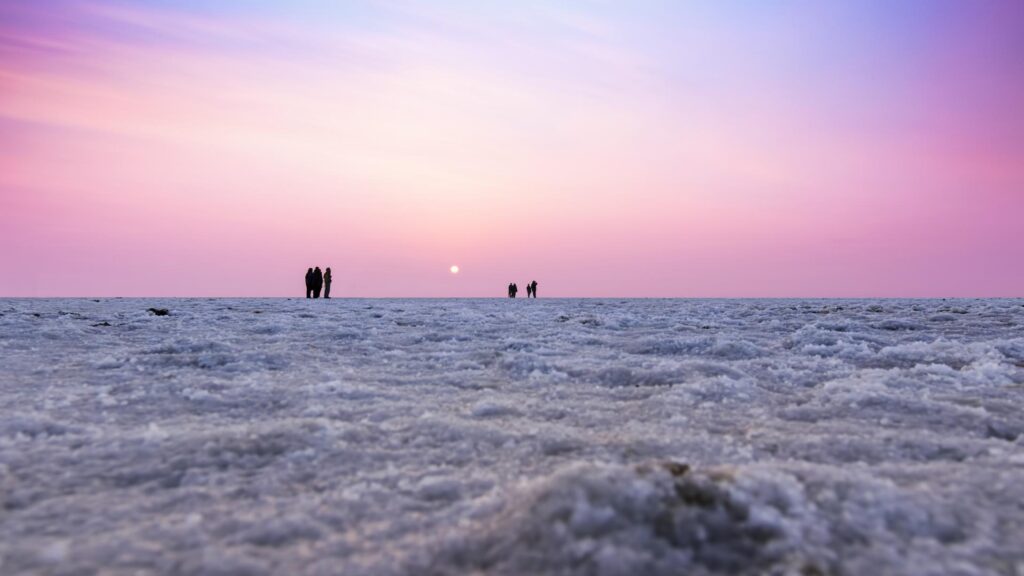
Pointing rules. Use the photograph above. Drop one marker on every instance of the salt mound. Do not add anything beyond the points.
(655, 519)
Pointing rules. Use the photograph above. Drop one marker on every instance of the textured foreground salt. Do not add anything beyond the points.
(512, 437)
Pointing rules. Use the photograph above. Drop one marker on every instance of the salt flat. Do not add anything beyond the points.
(512, 437)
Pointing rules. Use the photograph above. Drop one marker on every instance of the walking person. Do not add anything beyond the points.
(318, 282)
(515, 289)
(327, 283)
(309, 283)
(532, 287)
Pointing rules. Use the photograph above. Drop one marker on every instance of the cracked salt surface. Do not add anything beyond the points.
(512, 437)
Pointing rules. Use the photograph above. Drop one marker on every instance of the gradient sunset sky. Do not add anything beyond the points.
(157, 148)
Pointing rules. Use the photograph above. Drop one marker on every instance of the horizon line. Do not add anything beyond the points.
(222, 297)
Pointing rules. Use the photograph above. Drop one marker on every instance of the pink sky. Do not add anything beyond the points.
(655, 149)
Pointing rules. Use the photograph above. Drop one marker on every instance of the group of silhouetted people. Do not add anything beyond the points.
(317, 281)
(531, 289)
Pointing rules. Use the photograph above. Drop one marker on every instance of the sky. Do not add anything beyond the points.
(683, 149)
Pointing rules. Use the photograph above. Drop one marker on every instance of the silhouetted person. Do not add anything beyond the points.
(515, 289)
(327, 283)
(309, 283)
(318, 282)
(529, 290)
(509, 289)
(532, 287)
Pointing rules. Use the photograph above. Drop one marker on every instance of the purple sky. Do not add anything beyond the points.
(604, 149)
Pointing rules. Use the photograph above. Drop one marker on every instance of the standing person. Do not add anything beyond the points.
(318, 282)
(533, 288)
(309, 283)
(327, 283)
(510, 290)
(529, 290)
(515, 289)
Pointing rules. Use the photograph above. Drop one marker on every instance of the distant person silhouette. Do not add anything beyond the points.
(515, 289)
(529, 290)
(318, 282)
(327, 283)
(309, 283)
(509, 289)
(532, 287)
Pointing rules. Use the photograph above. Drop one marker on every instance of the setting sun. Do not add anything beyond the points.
(454, 269)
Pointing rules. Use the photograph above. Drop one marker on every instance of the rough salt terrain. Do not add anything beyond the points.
(444, 437)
